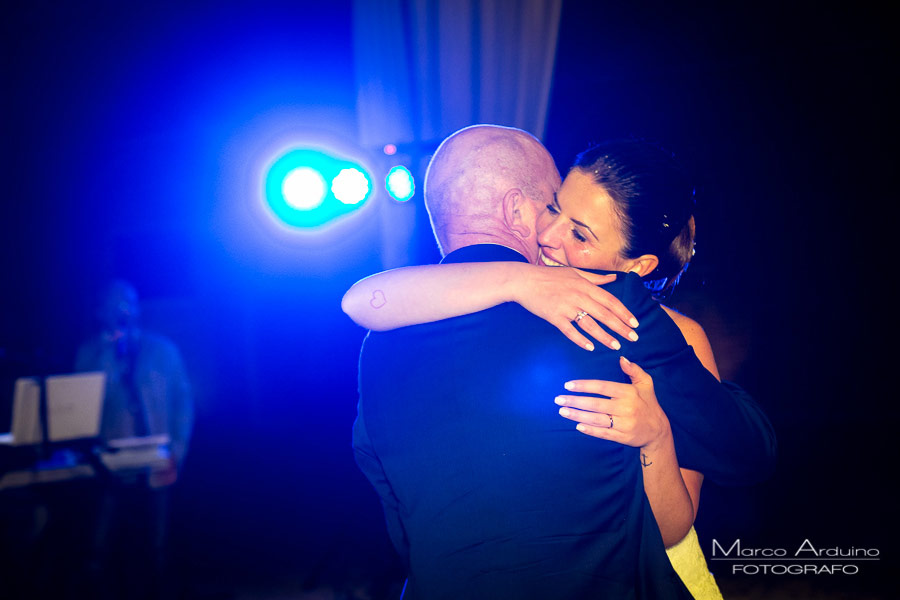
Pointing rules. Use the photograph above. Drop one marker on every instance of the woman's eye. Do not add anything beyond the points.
(552, 209)
(577, 235)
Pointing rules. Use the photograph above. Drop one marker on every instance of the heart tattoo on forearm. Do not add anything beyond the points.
(378, 300)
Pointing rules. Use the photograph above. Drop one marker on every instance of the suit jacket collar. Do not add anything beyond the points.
(483, 253)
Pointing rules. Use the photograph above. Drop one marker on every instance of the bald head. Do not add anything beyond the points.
(484, 185)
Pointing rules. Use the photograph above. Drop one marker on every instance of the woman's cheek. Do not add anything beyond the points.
(584, 257)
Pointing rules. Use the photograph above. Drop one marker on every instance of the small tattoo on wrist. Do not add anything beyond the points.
(645, 461)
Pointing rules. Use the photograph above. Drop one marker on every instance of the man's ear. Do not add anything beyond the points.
(515, 213)
(642, 265)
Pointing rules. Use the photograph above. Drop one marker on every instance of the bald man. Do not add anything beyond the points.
(486, 185)
(487, 491)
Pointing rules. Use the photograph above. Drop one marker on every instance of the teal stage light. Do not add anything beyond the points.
(308, 188)
(400, 184)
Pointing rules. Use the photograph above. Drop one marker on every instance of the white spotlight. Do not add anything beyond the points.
(303, 188)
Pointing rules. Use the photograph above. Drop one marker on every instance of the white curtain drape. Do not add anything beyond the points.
(425, 68)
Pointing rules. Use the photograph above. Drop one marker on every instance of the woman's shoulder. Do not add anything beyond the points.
(689, 327)
(695, 337)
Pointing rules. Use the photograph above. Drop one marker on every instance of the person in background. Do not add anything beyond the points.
(148, 397)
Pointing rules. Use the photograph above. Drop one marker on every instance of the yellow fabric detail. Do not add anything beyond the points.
(688, 561)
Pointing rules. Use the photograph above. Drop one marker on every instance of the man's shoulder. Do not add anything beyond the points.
(507, 320)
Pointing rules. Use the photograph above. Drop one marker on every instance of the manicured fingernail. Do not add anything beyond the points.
(626, 360)
(569, 386)
(616, 345)
(632, 336)
(633, 322)
(559, 400)
(580, 427)
(564, 412)
(589, 346)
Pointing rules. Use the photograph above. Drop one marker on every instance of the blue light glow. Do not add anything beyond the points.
(400, 184)
(351, 186)
(297, 190)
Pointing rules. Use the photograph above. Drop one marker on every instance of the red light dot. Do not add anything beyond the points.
(390, 149)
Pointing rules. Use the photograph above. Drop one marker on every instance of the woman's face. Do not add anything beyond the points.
(580, 228)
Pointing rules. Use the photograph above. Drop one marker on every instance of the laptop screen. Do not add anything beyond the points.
(74, 405)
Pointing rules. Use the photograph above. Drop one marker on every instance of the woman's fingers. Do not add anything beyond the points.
(604, 433)
(609, 310)
(635, 372)
(571, 332)
(630, 409)
(613, 389)
(588, 404)
(611, 313)
(592, 312)
(589, 325)
(606, 317)
(597, 419)
(557, 295)
(607, 425)
(601, 296)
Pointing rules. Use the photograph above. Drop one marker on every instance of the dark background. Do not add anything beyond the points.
(124, 130)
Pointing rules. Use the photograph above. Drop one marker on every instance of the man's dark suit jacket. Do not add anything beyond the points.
(489, 493)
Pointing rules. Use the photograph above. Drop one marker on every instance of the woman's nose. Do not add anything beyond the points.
(549, 235)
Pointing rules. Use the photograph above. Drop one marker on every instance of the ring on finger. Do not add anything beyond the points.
(581, 314)
(610, 421)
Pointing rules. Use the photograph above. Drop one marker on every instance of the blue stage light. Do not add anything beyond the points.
(400, 184)
(297, 189)
(351, 186)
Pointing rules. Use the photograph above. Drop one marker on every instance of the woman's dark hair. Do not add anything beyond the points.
(654, 200)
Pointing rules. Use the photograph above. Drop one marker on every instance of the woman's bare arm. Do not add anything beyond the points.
(693, 480)
(674, 493)
(422, 294)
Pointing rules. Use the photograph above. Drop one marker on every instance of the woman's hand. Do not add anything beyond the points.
(560, 294)
(627, 413)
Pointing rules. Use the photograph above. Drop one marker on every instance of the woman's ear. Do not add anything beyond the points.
(516, 213)
(642, 265)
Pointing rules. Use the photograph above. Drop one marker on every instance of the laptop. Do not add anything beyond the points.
(74, 405)
(26, 422)
(74, 408)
